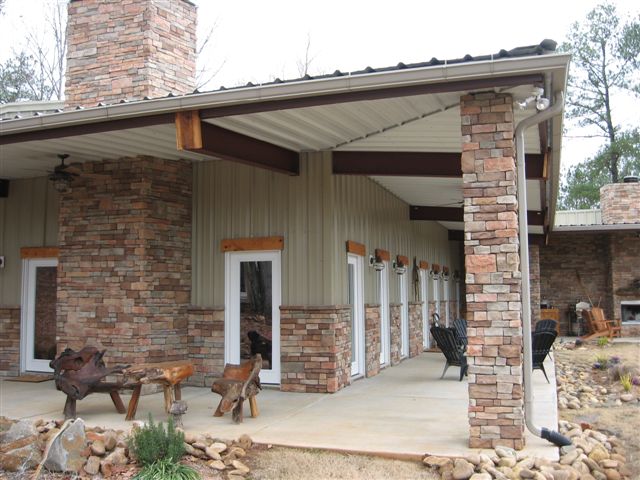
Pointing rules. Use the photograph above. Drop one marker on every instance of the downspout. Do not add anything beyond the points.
(550, 435)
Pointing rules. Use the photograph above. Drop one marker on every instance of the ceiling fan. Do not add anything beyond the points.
(65, 173)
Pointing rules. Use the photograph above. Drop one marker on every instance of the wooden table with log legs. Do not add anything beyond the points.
(167, 374)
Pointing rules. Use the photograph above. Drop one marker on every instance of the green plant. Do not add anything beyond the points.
(603, 341)
(625, 380)
(153, 443)
(601, 362)
(166, 469)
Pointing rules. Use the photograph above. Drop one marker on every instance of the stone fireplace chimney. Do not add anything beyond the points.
(129, 49)
(620, 202)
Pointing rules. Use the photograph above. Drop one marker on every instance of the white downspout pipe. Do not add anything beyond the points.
(539, 117)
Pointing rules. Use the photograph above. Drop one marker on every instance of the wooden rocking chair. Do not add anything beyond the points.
(598, 326)
(238, 383)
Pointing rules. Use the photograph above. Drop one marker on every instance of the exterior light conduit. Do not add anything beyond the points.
(556, 109)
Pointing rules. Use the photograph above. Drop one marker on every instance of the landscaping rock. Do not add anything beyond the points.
(438, 462)
(218, 447)
(627, 397)
(98, 448)
(480, 476)
(505, 452)
(66, 450)
(245, 442)
(462, 470)
(612, 474)
(19, 430)
(598, 453)
(217, 464)
(92, 467)
(115, 458)
(211, 453)
(26, 457)
(238, 465)
(110, 439)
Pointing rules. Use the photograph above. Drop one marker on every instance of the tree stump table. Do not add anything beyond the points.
(167, 374)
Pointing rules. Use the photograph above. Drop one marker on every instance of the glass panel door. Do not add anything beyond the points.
(38, 339)
(252, 311)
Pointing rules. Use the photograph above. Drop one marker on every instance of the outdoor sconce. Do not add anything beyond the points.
(376, 263)
(445, 273)
(435, 270)
(61, 185)
(399, 267)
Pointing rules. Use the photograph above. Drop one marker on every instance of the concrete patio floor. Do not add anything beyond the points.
(405, 411)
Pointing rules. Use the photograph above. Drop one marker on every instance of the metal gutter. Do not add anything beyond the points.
(527, 371)
(306, 88)
(597, 228)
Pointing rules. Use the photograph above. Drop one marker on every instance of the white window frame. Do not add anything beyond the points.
(27, 361)
(232, 294)
(447, 307)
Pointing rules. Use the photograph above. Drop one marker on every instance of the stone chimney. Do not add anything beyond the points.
(620, 203)
(129, 49)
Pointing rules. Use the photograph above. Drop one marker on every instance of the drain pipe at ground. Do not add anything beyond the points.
(550, 435)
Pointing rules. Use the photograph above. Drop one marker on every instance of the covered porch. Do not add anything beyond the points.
(406, 411)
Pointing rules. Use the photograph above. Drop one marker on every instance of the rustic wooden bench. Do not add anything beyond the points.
(238, 383)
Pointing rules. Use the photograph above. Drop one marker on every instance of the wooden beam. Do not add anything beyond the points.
(219, 142)
(454, 214)
(383, 255)
(455, 235)
(251, 244)
(39, 252)
(88, 128)
(356, 248)
(416, 164)
(372, 94)
(188, 131)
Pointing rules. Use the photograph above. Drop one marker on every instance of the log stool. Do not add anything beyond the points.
(238, 382)
(167, 374)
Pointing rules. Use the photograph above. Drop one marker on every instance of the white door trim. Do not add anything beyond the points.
(27, 318)
(385, 322)
(232, 262)
(357, 323)
(447, 307)
(404, 315)
(424, 296)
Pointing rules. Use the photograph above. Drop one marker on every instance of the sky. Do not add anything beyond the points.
(258, 41)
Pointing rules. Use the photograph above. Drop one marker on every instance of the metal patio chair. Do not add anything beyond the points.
(453, 352)
(541, 343)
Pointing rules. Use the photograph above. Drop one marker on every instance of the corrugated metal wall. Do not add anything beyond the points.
(317, 213)
(28, 218)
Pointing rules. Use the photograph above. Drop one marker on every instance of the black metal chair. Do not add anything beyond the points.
(546, 325)
(541, 343)
(460, 326)
(453, 352)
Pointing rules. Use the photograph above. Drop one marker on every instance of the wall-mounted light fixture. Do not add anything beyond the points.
(445, 273)
(541, 102)
(400, 265)
(435, 271)
(376, 263)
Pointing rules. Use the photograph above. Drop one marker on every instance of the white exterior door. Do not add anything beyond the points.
(424, 296)
(355, 299)
(447, 307)
(385, 322)
(252, 310)
(404, 315)
(38, 332)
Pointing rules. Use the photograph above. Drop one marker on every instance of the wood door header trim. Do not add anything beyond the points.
(252, 244)
(39, 252)
(356, 248)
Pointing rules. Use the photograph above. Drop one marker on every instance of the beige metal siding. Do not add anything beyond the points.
(316, 212)
(28, 218)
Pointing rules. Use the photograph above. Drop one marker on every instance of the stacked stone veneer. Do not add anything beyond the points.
(620, 203)
(534, 282)
(625, 275)
(415, 329)
(124, 273)
(206, 344)
(372, 339)
(493, 277)
(395, 318)
(129, 49)
(315, 348)
(9, 341)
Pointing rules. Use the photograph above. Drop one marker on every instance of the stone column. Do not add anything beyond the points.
(496, 413)
(372, 339)
(396, 332)
(534, 281)
(415, 329)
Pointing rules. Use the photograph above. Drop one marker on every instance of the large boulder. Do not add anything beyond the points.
(66, 450)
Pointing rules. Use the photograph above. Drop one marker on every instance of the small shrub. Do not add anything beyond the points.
(153, 443)
(601, 362)
(616, 372)
(625, 381)
(603, 341)
(166, 469)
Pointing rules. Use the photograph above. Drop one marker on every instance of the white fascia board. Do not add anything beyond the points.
(306, 88)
